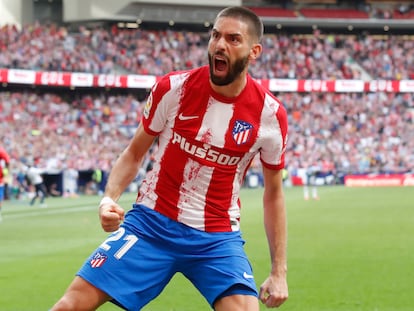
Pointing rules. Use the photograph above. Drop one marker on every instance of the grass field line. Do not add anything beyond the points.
(48, 211)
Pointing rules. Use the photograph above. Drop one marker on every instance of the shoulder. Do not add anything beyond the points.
(176, 79)
(171, 86)
(271, 103)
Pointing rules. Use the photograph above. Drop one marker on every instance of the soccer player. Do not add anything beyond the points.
(311, 174)
(4, 170)
(209, 123)
(34, 175)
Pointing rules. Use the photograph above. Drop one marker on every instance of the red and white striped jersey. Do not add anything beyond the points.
(205, 146)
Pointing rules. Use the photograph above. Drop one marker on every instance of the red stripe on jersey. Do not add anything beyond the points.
(217, 202)
(170, 177)
(206, 144)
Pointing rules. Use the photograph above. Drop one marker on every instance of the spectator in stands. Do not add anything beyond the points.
(341, 126)
(345, 127)
(156, 52)
(4, 171)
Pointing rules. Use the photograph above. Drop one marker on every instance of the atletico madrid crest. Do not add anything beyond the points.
(98, 260)
(241, 132)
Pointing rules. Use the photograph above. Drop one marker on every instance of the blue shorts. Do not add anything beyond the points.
(135, 263)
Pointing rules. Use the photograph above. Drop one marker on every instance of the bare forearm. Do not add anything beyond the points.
(122, 174)
(274, 290)
(276, 232)
(127, 165)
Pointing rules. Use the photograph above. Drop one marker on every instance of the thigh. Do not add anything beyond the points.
(222, 270)
(130, 269)
(81, 295)
(237, 303)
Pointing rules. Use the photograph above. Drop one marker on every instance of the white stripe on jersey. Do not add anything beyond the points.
(193, 193)
(216, 122)
(268, 118)
(206, 144)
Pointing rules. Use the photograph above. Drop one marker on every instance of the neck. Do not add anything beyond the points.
(233, 89)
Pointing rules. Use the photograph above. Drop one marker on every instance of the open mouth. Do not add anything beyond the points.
(220, 63)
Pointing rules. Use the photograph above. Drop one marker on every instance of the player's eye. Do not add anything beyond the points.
(214, 34)
(234, 39)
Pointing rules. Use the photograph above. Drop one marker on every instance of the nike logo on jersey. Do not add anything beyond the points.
(185, 118)
(247, 276)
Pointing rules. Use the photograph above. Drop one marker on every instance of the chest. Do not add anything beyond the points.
(233, 126)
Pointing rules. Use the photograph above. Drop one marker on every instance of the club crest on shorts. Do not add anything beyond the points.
(241, 132)
(98, 260)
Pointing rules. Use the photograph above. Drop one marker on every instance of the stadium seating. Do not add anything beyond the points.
(274, 12)
(353, 132)
(333, 13)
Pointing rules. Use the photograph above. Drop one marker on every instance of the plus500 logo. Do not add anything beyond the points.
(204, 152)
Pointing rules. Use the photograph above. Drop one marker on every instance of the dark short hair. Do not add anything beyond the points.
(256, 27)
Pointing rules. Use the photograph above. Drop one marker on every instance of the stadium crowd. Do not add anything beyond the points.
(346, 132)
(81, 133)
(155, 52)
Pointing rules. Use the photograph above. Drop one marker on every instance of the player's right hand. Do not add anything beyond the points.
(111, 216)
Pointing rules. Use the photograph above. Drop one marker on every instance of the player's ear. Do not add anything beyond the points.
(255, 51)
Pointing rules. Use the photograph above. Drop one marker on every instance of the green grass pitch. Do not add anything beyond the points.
(351, 251)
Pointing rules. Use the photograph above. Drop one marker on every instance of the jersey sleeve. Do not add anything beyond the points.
(272, 153)
(155, 113)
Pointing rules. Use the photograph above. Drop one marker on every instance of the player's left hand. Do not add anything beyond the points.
(274, 291)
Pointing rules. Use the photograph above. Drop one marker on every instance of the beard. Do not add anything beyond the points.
(234, 70)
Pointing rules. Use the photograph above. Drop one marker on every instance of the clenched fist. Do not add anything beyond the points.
(111, 214)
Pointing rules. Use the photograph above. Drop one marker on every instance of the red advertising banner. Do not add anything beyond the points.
(80, 79)
(382, 86)
(3, 75)
(315, 86)
(380, 180)
(110, 81)
(53, 78)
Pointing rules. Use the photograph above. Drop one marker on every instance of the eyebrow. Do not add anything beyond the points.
(238, 34)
